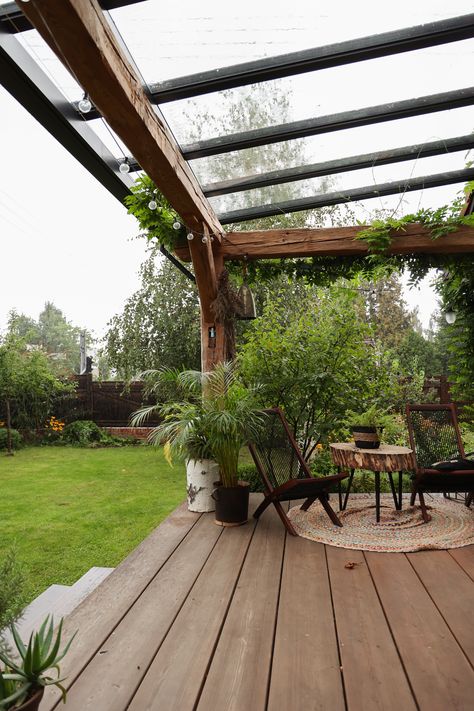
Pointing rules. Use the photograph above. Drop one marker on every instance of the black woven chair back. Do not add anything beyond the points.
(276, 452)
(434, 434)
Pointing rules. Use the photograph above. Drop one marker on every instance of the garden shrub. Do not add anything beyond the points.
(17, 439)
(11, 587)
(86, 433)
(83, 433)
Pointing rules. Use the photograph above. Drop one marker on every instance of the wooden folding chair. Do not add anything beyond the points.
(285, 474)
(441, 463)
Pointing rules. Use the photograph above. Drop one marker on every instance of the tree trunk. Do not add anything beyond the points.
(9, 430)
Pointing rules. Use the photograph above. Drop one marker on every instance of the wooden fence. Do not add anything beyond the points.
(109, 404)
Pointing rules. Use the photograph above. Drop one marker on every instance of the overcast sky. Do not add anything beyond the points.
(64, 238)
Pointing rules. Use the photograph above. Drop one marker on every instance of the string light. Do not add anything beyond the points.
(85, 104)
(450, 316)
(124, 166)
(176, 226)
(190, 236)
(152, 205)
(204, 240)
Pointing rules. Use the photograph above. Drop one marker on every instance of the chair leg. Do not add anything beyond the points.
(329, 510)
(469, 498)
(284, 518)
(261, 508)
(413, 497)
(305, 506)
(424, 511)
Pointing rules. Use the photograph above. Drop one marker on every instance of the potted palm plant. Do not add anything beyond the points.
(218, 417)
(24, 678)
(181, 432)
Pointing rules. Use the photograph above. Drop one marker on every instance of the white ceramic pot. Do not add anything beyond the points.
(200, 477)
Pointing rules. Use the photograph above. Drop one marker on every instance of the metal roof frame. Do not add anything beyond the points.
(26, 81)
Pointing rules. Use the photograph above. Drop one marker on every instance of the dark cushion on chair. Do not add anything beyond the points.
(454, 465)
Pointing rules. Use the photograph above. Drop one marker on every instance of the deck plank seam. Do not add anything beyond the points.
(185, 597)
(338, 644)
(275, 624)
(441, 614)
(460, 565)
(91, 656)
(224, 617)
(410, 685)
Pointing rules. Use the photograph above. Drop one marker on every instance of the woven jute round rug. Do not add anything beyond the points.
(451, 526)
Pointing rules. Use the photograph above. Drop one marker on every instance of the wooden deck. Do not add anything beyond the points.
(200, 617)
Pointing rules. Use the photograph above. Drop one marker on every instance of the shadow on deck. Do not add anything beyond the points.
(200, 617)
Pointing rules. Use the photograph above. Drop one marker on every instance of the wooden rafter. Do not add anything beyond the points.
(81, 37)
(335, 241)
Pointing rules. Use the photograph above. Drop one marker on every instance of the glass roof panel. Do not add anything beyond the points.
(339, 144)
(343, 182)
(173, 39)
(322, 93)
(365, 211)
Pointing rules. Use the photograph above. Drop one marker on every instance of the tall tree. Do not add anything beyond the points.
(53, 333)
(159, 325)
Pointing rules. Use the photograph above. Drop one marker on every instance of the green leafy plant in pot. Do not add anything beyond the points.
(218, 418)
(23, 677)
(182, 431)
(367, 426)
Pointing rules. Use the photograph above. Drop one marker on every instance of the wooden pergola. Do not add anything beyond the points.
(82, 36)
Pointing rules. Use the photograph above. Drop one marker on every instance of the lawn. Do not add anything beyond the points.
(67, 509)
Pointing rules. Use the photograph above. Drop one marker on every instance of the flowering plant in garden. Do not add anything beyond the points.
(54, 425)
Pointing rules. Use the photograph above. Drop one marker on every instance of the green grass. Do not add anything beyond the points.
(67, 509)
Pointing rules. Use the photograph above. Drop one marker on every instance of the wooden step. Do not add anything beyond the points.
(58, 600)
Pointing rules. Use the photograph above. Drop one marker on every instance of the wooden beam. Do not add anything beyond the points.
(335, 241)
(207, 267)
(79, 33)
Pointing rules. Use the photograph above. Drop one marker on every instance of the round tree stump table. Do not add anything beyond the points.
(387, 459)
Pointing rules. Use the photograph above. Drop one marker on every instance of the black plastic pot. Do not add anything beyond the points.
(366, 437)
(232, 504)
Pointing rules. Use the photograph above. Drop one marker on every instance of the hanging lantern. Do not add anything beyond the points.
(248, 310)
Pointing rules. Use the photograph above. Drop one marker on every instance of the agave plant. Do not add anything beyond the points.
(217, 418)
(23, 677)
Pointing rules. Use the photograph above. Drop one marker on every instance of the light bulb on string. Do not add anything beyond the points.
(450, 316)
(85, 104)
(204, 240)
(190, 236)
(124, 166)
(176, 226)
(152, 205)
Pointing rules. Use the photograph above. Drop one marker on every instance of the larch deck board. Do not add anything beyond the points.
(109, 681)
(175, 678)
(239, 672)
(439, 673)
(253, 619)
(101, 612)
(374, 677)
(306, 670)
(452, 592)
(465, 558)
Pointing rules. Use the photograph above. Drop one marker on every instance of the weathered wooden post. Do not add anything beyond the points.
(208, 263)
